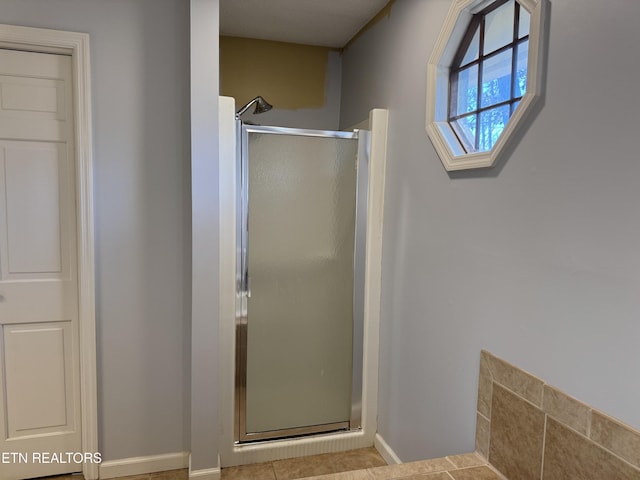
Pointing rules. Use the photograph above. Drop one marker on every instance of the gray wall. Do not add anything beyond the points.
(205, 427)
(538, 261)
(140, 82)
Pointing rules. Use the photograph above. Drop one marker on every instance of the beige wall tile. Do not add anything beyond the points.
(517, 430)
(475, 473)
(566, 409)
(467, 460)
(509, 430)
(617, 437)
(569, 455)
(484, 385)
(482, 435)
(515, 379)
(411, 469)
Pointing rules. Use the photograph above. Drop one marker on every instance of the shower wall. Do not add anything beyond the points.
(301, 81)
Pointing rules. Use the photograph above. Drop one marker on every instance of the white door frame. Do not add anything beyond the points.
(76, 45)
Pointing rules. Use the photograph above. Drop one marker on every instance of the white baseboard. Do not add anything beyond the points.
(206, 473)
(142, 465)
(385, 450)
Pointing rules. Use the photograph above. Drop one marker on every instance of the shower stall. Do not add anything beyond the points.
(300, 258)
(300, 261)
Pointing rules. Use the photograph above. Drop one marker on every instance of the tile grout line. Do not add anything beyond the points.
(544, 443)
(452, 464)
(489, 419)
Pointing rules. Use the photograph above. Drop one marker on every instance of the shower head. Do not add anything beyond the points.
(261, 106)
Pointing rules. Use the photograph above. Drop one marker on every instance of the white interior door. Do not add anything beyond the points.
(39, 366)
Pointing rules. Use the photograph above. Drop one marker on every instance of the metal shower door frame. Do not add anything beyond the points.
(243, 288)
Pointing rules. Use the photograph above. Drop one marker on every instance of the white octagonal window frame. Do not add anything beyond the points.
(447, 145)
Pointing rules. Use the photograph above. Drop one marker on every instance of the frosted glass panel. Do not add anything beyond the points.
(301, 216)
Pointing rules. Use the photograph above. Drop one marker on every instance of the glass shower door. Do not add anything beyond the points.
(298, 241)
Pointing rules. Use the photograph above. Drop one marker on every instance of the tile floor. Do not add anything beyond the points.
(169, 475)
(316, 465)
(290, 469)
(370, 466)
(363, 464)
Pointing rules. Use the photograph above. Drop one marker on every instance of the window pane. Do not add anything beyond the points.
(492, 123)
(466, 130)
(496, 79)
(466, 91)
(499, 27)
(520, 82)
(515, 106)
(525, 20)
(472, 51)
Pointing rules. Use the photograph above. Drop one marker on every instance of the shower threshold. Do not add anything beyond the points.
(290, 433)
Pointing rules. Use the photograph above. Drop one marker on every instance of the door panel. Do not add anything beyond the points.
(32, 95)
(301, 227)
(32, 108)
(39, 362)
(36, 366)
(31, 186)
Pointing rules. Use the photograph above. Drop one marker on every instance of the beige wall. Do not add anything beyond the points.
(302, 82)
(291, 76)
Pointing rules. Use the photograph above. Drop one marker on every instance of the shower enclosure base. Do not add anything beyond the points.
(270, 450)
(295, 432)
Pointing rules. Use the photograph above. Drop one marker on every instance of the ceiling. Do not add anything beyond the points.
(330, 23)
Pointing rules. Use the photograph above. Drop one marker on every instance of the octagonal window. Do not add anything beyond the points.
(483, 79)
(488, 77)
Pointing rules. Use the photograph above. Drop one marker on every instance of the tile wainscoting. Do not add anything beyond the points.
(529, 430)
